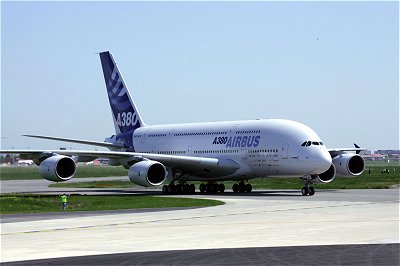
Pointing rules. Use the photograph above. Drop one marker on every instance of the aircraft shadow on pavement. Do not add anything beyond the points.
(142, 192)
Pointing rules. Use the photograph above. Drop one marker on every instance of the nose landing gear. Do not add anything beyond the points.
(308, 189)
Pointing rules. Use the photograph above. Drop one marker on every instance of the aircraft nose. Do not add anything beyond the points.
(325, 160)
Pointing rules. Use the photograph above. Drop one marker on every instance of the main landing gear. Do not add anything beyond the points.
(308, 189)
(242, 187)
(210, 187)
(180, 188)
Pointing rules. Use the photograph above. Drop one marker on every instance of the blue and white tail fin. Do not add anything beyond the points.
(125, 114)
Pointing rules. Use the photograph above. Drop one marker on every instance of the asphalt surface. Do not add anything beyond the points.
(385, 254)
(276, 227)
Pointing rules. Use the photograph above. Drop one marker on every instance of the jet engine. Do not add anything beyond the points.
(57, 168)
(348, 164)
(326, 176)
(147, 173)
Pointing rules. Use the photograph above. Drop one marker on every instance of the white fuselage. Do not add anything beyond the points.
(260, 147)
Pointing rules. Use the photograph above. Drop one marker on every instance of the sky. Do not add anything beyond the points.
(333, 66)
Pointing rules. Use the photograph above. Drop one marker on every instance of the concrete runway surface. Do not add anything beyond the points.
(333, 227)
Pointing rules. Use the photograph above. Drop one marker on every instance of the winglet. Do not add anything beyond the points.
(358, 147)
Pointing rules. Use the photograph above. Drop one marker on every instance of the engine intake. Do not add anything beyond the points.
(349, 164)
(57, 168)
(326, 176)
(147, 173)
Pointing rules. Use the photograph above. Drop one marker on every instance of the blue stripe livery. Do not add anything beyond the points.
(125, 114)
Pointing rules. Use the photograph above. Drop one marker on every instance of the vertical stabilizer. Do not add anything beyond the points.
(125, 114)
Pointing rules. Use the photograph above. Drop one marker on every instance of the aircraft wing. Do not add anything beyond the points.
(79, 141)
(186, 164)
(334, 152)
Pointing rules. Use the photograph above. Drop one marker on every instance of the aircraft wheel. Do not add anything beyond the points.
(171, 188)
(311, 191)
(214, 188)
(235, 188)
(221, 188)
(178, 188)
(186, 188)
(202, 188)
(304, 191)
(249, 188)
(192, 188)
(165, 189)
(242, 187)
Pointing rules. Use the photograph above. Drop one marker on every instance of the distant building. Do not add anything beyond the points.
(391, 154)
(374, 157)
(388, 152)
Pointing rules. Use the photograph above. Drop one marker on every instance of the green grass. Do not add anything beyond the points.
(24, 203)
(96, 184)
(32, 172)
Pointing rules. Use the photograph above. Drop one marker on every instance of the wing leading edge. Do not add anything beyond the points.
(337, 151)
(79, 141)
(197, 166)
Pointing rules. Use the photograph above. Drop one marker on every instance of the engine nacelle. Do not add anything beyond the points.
(147, 173)
(326, 176)
(348, 164)
(57, 168)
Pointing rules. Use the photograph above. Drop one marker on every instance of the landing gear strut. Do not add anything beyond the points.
(308, 189)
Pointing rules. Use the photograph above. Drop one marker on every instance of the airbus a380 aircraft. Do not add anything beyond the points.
(176, 154)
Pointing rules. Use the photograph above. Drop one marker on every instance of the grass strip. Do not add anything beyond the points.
(27, 203)
(82, 171)
(96, 184)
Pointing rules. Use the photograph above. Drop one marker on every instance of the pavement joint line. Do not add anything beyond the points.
(190, 218)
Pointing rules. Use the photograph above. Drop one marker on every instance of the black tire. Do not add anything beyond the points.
(178, 188)
(165, 189)
(221, 188)
(171, 188)
(192, 188)
(311, 191)
(304, 191)
(202, 188)
(242, 187)
(235, 188)
(186, 188)
(249, 188)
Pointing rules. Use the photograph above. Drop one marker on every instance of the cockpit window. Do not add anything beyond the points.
(309, 143)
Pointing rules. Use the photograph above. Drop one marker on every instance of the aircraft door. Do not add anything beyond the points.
(145, 135)
(189, 151)
(285, 150)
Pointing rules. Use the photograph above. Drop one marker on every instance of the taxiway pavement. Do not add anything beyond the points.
(259, 221)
